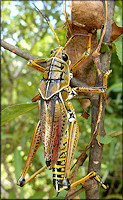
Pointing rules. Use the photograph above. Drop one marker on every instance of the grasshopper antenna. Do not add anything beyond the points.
(73, 37)
(49, 25)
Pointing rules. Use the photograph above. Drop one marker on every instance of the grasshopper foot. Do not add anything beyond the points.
(21, 182)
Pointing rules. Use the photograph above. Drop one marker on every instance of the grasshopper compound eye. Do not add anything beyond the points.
(64, 57)
(52, 51)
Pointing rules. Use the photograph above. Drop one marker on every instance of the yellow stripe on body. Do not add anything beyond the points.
(61, 159)
(59, 166)
(60, 173)
(64, 150)
(58, 178)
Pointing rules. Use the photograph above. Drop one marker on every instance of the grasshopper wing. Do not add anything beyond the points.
(53, 117)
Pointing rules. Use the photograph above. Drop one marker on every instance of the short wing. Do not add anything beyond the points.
(59, 128)
(53, 117)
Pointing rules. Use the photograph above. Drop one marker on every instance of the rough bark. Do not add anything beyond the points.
(95, 156)
(82, 12)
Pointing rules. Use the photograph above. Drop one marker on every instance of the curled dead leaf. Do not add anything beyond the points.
(116, 32)
(85, 114)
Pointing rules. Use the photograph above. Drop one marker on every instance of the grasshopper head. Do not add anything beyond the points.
(59, 52)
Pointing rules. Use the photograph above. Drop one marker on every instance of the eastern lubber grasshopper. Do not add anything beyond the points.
(56, 112)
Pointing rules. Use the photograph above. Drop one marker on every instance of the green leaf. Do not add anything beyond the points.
(12, 195)
(41, 158)
(14, 111)
(116, 134)
(118, 3)
(115, 87)
(104, 140)
(104, 48)
(18, 167)
(17, 163)
(109, 109)
(38, 195)
(61, 195)
(119, 49)
(5, 136)
(111, 150)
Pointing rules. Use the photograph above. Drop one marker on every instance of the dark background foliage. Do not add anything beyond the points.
(23, 27)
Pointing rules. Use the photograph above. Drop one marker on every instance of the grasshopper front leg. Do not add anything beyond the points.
(36, 139)
(85, 54)
(38, 64)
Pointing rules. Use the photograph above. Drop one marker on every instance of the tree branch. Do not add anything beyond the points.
(17, 50)
(95, 156)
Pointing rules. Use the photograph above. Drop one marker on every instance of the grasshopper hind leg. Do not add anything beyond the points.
(60, 185)
(59, 167)
(62, 167)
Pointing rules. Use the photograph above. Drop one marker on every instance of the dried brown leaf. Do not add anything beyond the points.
(116, 32)
(85, 114)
